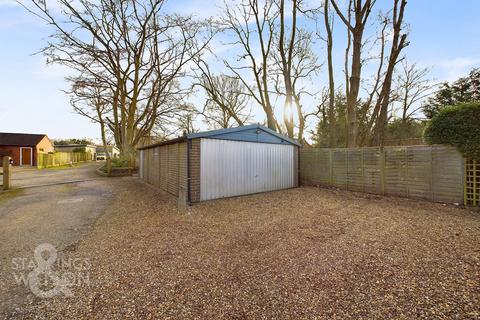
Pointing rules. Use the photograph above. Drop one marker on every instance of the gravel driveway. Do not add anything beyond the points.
(303, 253)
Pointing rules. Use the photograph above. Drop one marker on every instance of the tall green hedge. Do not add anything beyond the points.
(459, 126)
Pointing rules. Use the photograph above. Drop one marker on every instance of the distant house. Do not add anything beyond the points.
(78, 148)
(24, 148)
(112, 150)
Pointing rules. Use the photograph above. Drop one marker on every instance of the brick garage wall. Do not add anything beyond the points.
(195, 170)
(13, 152)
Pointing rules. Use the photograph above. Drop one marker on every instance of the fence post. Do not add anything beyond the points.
(6, 172)
(363, 169)
(405, 150)
(465, 181)
(432, 172)
(382, 170)
(346, 168)
(331, 166)
(182, 204)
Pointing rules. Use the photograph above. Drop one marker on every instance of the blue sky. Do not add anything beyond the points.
(444, 36)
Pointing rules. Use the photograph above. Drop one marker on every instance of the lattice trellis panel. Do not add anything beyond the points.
(472, 183)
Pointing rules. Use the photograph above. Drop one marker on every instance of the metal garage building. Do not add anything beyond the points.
(222, 163)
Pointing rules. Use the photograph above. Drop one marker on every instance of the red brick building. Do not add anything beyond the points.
(24, 147)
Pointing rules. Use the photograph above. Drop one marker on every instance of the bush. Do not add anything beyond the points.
(119, 162)
(458, 126)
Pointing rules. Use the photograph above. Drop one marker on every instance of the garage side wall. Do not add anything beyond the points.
(165, 167)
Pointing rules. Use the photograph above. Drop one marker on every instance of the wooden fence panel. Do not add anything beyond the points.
(395, 171)
(339, 168)
(47, 160)
(447, 175)
(434, 173)
(419, 173)
(315, 167)
(371, 167)
(355, 168)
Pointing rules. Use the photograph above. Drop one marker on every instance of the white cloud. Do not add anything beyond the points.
(5, 3)
(460, 62)
(51, 72)
(198, 8)
(457, 67)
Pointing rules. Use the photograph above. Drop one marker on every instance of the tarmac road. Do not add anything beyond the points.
(59, 213)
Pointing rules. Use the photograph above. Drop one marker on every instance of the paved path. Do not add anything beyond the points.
(28, 176)
(57, 214)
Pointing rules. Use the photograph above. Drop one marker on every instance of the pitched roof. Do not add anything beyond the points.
(75, 146)
(101, 149)
(20, 139)
(252, 133)
(228, 131)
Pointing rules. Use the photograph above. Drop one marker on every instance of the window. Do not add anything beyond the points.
(41, 149)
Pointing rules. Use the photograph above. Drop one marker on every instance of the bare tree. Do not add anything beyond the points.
(286, 60)
(361, 12)
(185, 122)
(177, 114)
(399, 42)
(252, 24)
(365, 111)
(131, 48)
(296, 62)
(227, 99)
(331, 80)
(411, 87)
(91, 99)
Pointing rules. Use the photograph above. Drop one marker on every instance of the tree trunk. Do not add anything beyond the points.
(286, 67)
(104, 140)
(331, 84)
(398, 43)
(352, 97)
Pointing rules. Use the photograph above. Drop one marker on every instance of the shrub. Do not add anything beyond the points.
(459, 126)
(119, 162)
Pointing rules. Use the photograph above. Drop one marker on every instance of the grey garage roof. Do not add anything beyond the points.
(249, 133)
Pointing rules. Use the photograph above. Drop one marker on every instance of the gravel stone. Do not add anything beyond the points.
(304, 253)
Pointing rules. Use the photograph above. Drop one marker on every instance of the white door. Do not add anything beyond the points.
(232, 168)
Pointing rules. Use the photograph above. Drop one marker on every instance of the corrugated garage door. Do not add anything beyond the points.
(232, 168)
